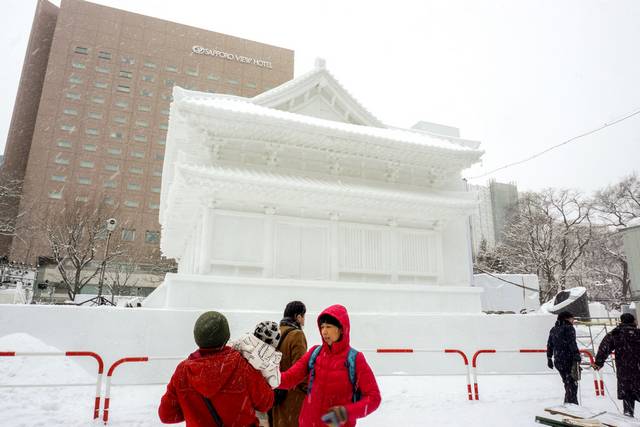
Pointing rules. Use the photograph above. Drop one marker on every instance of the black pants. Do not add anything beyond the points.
(570, 386)
(628, 405)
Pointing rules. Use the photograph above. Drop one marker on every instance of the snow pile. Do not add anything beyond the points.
(38, 369)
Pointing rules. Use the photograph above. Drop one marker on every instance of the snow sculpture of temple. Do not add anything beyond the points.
(301, 193)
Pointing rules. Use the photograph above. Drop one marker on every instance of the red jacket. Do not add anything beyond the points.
(226, 378)
(331, 384)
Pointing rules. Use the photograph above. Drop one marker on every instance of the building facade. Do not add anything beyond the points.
(91, 116)
(489, 219)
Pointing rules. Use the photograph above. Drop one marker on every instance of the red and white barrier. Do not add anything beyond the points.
(96, 356)
(446, 351)
(112, 368)
(598, 382)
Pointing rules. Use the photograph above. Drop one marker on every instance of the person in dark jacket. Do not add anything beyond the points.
(563, 353)
(215, 385)
(625, 341)
(293, 346)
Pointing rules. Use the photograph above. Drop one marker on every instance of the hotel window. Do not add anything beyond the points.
(125, 74)
(169, 82)
(78, 65)
(252, 85)
(133, 186)
(84, 181)
(55, 195)
(92, 131)
(121, 120)
(154, 206)
(155, 189)
(97, 99)
(58, 178)
(82, 199)
(137, 154)
(146, 92)
(94, 115)
(233, 82)
(114, 151)
(70, 111)
(109, 183)
(123, 89)
(86, 164)
(159, 156)
(68, 128)
(191, 87)
(151, 236)
(144, 107)
(149, 64)
(128, 60)
(103, 70)
(90, 147)
(104, 55)
(73, 95)
(213, 77)
(101, 85)
(157, 173)
(117, 135)
(142, 123)
(167, 97)
(162, 141)
(112, 168)
(64, 143)
(171, 68)
(131, 204)
(140, 138)
(109, 201)
(136, 171)
(164, 112)
(81, 50)
(75, 80)
(148, 78)
(122, 104)
(128, 234)
(61, 161)
(192, 72)
(164, 126)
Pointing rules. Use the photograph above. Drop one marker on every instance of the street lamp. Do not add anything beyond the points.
(111, 225)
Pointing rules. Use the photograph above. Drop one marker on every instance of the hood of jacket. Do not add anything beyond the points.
(209, 371)
(340, 313)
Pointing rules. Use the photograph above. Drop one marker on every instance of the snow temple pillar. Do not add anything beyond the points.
(268, 260)
(206, 239)
(334, 267)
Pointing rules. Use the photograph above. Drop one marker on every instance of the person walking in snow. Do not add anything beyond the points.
(293, 345)
(215, 385)
(563, 353)
(259, 349)
(342, 387)
(625, 341)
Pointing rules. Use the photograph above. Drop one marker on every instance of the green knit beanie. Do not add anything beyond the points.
(211, 330)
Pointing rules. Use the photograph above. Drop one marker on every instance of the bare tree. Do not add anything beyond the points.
(10, 191)
(547, 234)
(76, 236)
(619, 203)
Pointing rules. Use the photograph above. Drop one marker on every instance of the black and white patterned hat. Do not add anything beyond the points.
(268, 332)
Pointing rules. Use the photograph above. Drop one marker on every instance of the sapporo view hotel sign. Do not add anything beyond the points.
(231, 56)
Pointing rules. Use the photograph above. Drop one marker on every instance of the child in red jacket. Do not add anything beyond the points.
(215, 385)
(332, 397)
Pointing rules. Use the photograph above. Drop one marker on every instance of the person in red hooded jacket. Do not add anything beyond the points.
(215, 382)
(332, 393)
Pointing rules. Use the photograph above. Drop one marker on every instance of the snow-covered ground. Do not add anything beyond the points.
(507, 400)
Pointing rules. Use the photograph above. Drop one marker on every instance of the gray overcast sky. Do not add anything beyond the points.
(517, 75)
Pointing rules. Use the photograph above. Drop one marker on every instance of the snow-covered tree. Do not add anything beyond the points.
(547, 234)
